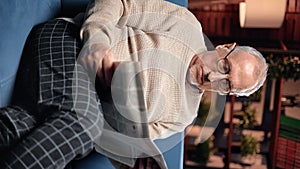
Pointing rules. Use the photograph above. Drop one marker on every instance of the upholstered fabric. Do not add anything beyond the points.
(17, 18)
(70, 9)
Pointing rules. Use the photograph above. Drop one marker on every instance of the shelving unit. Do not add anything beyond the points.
(234, 143)
(285, 142)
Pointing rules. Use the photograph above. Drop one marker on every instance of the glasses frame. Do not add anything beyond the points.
(224, 59)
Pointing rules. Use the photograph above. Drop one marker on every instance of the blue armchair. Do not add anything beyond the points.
(17, 19)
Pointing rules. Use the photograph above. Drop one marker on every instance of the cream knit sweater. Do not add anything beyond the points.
(160, 35)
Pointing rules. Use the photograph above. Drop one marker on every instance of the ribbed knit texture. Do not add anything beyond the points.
(160, 35)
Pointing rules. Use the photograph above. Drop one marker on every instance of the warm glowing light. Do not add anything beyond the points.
(262, 13)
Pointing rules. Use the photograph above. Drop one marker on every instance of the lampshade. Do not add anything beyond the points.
(262, 13)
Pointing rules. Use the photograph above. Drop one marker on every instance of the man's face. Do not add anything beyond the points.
(222, 70)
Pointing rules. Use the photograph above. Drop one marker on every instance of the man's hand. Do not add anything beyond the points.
(107, 68)
(98, 61)
(105, 71)
(91, 56)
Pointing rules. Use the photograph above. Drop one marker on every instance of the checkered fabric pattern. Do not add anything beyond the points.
(14, 123)
(66, 116)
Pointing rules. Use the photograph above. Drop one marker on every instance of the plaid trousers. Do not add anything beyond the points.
(56, 114)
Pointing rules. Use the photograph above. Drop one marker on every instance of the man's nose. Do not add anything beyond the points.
(215, 76)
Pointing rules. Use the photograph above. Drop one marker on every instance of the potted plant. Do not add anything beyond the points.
(249, 149)
(247, 120)
(204, 151)
(286, 66)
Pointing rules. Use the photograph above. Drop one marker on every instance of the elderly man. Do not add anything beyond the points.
(59, 117)
(167, 40)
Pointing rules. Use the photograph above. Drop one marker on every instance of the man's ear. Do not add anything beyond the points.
(228, 46)
(224, 49)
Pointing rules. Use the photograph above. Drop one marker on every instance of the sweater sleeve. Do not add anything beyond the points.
(101, 14)
(98, 32)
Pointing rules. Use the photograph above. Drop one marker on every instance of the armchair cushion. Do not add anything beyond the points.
(17, 18)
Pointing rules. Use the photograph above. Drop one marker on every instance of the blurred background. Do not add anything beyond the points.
(262, 131)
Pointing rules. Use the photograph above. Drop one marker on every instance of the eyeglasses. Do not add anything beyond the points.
(224, 85)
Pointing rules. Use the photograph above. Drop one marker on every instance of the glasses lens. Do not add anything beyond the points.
(224, 85)
(223, 66)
